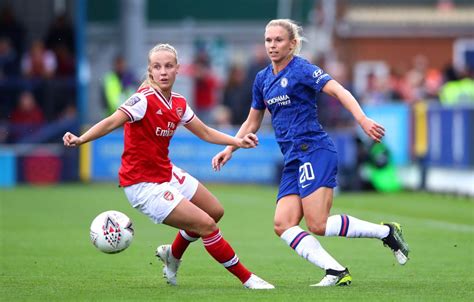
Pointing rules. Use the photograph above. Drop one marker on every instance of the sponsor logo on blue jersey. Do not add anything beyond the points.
(317, 73)
(281, 100)
(321, 77)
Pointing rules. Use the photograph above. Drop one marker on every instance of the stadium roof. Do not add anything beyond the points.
(406, 21)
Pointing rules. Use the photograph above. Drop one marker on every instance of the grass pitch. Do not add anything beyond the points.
(46, 253)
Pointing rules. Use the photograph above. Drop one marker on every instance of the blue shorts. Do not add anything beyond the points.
(309, 173)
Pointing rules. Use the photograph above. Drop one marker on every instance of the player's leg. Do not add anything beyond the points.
(317, 190)
(288, 215)
(390, 233)
(338, 225)
(207, 202)
(316, 177)
(316, 207)
(201, 197)
(188, 216)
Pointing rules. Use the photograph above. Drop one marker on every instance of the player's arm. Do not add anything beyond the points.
(211, 135)
(105, 126)
(251, 125)
(370, 127)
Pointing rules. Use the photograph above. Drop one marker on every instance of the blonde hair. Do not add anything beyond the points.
(293, 29)
(158, 47)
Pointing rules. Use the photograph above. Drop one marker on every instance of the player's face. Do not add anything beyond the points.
(163, 69)
(278, 43)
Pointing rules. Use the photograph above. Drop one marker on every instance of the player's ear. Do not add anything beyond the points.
(177, 67)
(293, 44)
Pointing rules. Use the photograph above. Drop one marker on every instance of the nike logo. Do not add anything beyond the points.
(304, 186)
(159, 112)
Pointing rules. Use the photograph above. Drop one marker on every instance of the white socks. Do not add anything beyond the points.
(309, 248)
(348, 226)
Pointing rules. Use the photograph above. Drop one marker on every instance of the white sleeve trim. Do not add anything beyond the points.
(187, 116)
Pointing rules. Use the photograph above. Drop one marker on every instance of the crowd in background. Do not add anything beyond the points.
(37, 78)
(227, 101)
(37, 83)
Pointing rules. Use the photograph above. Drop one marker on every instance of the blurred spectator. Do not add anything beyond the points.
(376, 91)
(414, 89)
(68, 113)
(38, 62)
(433, 83)
(258, 62)
(11, 28)
(60, 34)
(331, 112)
(235, 95)
(458, 89)
(118, 85)
(3, 132)
(206, 85)
(396, 84)
(222, 117)
(26, 118)
(8, 59)
(445, 5)
(66, 61)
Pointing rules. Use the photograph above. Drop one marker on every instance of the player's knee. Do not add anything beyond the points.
(280, 227)
(318, 228)
(207, 226)
(217, 213)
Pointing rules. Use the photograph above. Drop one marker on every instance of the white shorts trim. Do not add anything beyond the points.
(158, 200)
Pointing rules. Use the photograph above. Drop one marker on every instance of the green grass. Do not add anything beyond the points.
(46, 253)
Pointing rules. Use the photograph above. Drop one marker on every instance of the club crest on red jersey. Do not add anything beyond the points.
(168, 196)
(179, 112)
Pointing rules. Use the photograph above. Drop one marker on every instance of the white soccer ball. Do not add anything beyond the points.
(111, 232)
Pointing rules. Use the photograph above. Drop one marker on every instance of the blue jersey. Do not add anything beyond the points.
(291, 98)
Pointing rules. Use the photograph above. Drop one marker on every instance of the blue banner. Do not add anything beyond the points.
(450, 132)
(260, 165)
(396, 120)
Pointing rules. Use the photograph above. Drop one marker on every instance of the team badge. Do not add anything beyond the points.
(284, 82)
(132, 101)
(112, 232)
(168, 196)
(179, 112)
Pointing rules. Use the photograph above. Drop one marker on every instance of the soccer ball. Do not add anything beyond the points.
(111, 232)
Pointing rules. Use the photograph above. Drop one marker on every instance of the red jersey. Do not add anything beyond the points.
(153, 122)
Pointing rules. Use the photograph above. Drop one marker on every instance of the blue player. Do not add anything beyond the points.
(289, 89)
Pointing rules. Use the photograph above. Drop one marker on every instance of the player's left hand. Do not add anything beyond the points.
(250, 140)
(374, 130)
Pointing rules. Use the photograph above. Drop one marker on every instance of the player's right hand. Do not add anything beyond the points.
(374, 130)
(221, 158)
(71, 140)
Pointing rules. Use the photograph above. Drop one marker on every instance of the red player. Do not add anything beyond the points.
(153, 185)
